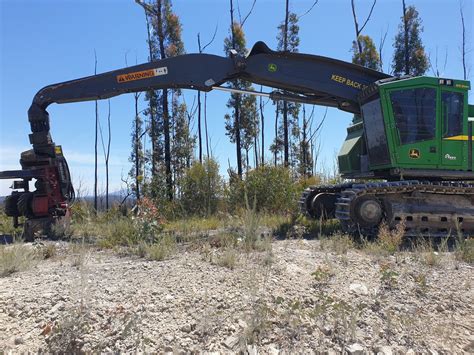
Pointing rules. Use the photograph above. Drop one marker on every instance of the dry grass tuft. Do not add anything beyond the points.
(391, 240)
(228, 258)
(338, 243)
(16, 257)
(464, 250)
(161, 250)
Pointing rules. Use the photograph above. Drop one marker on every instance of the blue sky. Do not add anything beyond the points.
(49, 41)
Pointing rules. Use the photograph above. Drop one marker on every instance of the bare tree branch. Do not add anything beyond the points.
(383, 37)
(309, 10)
(356, 24)
(463, 49)
(210, 42)
(146, 7)
(368, 17)
(247, 16)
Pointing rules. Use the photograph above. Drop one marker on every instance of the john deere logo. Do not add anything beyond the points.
(272, 68)
(414, 154)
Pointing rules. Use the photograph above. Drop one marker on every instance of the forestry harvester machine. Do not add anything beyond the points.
(410, 136)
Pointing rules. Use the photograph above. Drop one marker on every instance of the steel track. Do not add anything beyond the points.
(426, 208)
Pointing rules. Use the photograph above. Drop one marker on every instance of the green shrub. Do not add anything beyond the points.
(162, 249)
(271, 187)
(201, 188)
(6, 225)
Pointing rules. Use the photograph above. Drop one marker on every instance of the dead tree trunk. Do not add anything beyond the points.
(262, 119)
(358, 30)
(199, 111)
(166, 119)
(137, 146)
(107, 156)
(405, 24)
(285, 104)
(95, 139)
(237, 103)
(463, 45)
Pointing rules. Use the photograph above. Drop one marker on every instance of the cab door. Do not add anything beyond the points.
(416, 133)
(454, 129)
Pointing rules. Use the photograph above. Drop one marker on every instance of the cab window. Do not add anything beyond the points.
(452, 106)
(415, 114)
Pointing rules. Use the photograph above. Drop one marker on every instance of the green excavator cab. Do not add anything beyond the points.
(411, 127)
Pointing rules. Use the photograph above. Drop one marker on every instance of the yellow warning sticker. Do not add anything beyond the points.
(144, 74)
(58, 150)
(348, 82)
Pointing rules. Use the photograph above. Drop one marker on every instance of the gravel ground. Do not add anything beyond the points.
(297, 296)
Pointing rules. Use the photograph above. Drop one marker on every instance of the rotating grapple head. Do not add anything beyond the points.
(50, 202)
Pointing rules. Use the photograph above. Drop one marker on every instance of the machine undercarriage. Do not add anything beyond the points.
(436, 209)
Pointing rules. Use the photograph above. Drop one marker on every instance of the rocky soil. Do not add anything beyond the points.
(298, 296)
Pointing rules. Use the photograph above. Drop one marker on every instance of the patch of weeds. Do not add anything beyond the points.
(322, 275)
(16, 257)
(6, 225)
(275, 221)
(319, 228)
(66, 337)
(250, 223)
(162, 249)
(338, 243)
(49, 251)
(345, 321)
(193, 225)
(426, 253)
(388, 276)
(61, 230)
(257, 322)
(223, 240)
(266, 247)
(228, 258)
(79, 254)
(421, 284)
(464, 250)
(391, 240)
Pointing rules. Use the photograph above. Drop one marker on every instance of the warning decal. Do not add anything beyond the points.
(139, 75)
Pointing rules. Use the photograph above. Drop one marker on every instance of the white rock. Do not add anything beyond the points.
(272, 350)
(355, 349)
(186, 328)
(252, 350)
(383, 350)
(359, 289)
(231, 341)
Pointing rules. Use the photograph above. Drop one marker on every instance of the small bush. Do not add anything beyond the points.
(16, 257)
(49, 251)
(464, 250)
(338, 243)
(79, 254)
(322, 275)
(145, 227)
(161, 250)
(228, 258)
(61, 230)
(6, 225)
(388, 276)
(426, 252)
(391, 240)
(201, 188)
(271, 187)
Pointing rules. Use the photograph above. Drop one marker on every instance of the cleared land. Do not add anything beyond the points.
(290, 295)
